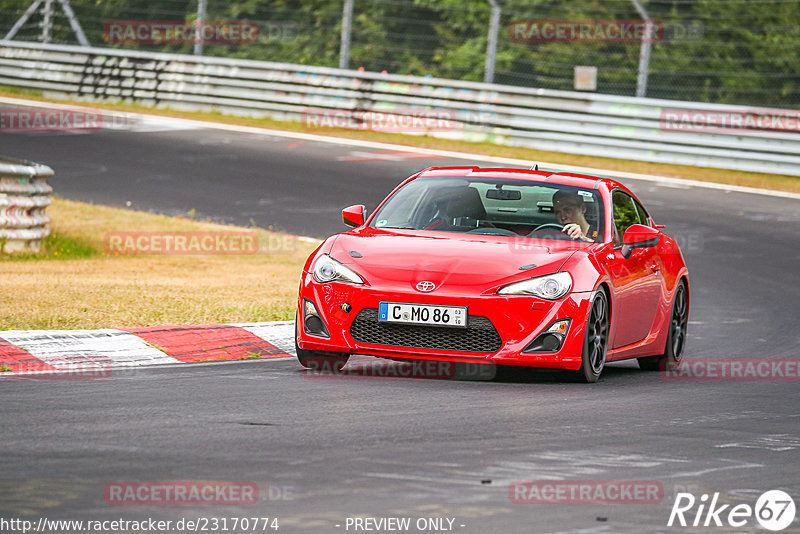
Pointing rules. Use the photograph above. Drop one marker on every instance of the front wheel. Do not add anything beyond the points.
(321, 361)
(676, 336)
(595, 341)
(318, 360)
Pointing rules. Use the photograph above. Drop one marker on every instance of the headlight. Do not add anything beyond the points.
(550, 287)
(326, 269)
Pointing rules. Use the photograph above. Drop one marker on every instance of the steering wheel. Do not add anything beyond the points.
(548, 226)
(549, 231)
(491, 231)
(434, 223)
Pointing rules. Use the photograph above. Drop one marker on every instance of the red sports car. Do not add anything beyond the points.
(498, 266)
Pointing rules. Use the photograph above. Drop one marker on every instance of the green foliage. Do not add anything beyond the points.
(713, 50)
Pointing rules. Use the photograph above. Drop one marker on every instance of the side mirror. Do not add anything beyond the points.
(639, 236)
(354, 215)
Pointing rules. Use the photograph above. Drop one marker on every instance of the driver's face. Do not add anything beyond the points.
(566, 212)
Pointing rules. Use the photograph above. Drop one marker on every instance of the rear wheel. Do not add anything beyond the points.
(595, 342)
(676, 337)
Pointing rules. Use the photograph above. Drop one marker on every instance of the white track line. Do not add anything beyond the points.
(186, 123)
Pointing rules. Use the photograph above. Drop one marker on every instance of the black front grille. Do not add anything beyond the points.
(479, 335)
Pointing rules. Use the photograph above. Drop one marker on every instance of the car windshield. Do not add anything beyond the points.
(493, 206)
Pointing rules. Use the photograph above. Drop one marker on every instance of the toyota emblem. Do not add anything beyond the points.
(426, 286)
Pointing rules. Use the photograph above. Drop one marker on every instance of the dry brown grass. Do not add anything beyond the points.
(749, 179)
(63, 290)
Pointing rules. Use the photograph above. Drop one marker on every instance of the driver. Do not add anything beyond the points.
(570, 211)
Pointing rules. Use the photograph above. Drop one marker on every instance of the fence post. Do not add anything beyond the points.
(491, 46)
(347, 23)
(22, 20)
(644, 52)
(201, 19)
(47, 21)
(74, 23)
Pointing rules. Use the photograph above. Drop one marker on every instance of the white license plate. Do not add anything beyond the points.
(431, 314)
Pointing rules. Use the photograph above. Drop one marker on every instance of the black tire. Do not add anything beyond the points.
(595, 341)
(322, 361)
(329, 362)
(676, 337)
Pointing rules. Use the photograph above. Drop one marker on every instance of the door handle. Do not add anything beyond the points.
(655, 268)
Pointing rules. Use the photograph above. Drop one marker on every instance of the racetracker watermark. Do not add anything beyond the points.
(150, 525)
(97, 369)
(280, 31)
(688, 240)
(683, 31)
(58, 120)
(716, 120)
(180, 493)
(586, 492)
(325, 368)
(534, 242)
(585, 31)
(398, 120)
(226, 32)
(178, 243)
(734, 369)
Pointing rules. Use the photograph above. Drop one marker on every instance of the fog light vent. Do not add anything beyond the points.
(312, 322)
(551, 339)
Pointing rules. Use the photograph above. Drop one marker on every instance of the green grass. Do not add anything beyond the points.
(12, 91)
(74, 283)
(54, 247)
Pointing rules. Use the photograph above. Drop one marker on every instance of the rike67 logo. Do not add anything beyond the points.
(774, 510)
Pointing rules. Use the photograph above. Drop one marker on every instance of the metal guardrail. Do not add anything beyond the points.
(572, 122)
(24, 196)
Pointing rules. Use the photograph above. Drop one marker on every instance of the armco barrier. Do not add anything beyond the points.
(24, 196)
(572, 122)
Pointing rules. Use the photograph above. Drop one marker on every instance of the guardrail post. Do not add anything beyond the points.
(24, 196)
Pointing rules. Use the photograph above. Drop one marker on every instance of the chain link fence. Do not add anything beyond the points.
(720, 51)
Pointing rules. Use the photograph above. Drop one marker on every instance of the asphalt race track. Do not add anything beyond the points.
(325, 449)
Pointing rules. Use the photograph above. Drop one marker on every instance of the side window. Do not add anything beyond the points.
(625, 214)
(644, 218)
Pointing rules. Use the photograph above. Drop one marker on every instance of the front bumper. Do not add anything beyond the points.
(516, 319)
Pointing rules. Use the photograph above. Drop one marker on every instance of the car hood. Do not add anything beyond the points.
(457, 263)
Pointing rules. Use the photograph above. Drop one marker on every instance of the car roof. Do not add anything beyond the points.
(587, 181)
